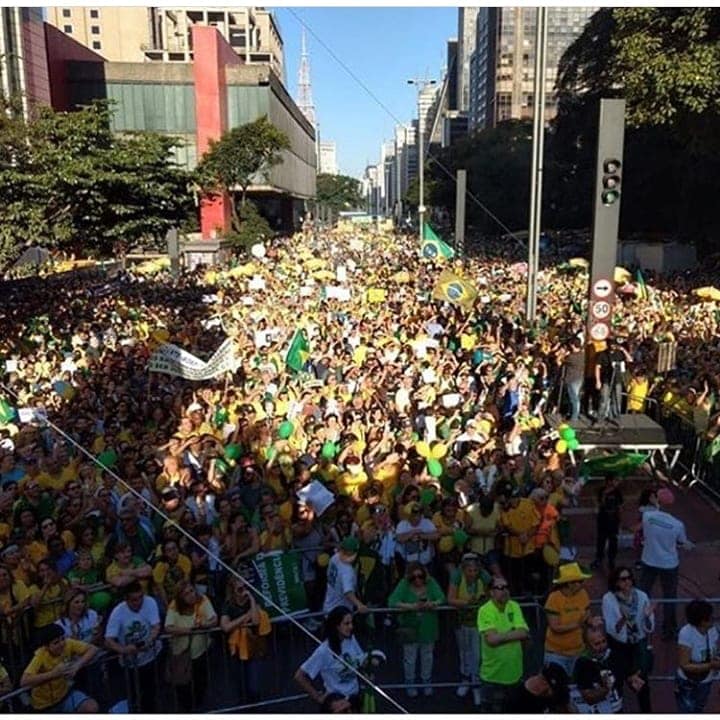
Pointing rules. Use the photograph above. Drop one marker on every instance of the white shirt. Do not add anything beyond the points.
(337, 677)
(341, 579)
(82, 630)
(642, 624)
(702, 648)
(661, 534)
(421, 551)
(130, 628)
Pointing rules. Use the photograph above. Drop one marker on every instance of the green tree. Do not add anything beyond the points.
(67, 181)
(242, 156)
(253, 229)
(338, 192)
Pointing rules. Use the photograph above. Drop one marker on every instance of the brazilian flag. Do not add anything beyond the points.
(620, 464)
(641, 286)
(298, 351)
(433, 247)
(454, 289)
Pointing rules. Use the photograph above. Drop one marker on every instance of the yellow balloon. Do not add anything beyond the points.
(484, 426)
(562, 426)
(446, 544)
(423, 449)
(439, 451)
(561, 447)
(323, 559)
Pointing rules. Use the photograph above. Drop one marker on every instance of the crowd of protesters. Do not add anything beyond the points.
(384, 389)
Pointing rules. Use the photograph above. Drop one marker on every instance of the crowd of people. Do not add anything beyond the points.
(431, 424)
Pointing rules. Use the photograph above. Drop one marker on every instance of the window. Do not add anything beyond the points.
(94, 14)
(66, 12)
(97, 45)
(95, 29)
(67, 29)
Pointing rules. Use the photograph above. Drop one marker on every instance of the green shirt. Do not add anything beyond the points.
(425, 622)
(502, 664)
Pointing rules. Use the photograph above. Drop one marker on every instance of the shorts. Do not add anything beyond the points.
(70, 703)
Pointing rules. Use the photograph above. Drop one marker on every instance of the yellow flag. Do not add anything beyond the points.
(376, 295)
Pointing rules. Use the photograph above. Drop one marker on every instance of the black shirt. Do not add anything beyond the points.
(609, 503)
(521, 701)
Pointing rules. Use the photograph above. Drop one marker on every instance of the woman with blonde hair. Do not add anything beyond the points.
(188, 613)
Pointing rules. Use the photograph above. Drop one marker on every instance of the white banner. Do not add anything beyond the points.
(173, 360)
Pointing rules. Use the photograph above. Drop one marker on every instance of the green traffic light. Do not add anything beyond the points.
(610, 197)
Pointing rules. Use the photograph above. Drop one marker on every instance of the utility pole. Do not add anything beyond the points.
(421, 84)
(460, 193)
(536, 172)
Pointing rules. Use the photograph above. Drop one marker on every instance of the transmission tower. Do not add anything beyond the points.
(305, 100)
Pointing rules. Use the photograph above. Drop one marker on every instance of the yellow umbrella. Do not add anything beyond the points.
(324, 275)
(622, 275)
(707, 293)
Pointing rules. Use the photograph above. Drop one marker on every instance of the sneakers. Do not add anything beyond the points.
(428, 691)
(476, 697)
(412, 692)
(462, 691)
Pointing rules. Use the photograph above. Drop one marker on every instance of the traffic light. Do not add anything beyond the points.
(611, 182)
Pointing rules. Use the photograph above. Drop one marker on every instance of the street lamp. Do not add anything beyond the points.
(421, 84)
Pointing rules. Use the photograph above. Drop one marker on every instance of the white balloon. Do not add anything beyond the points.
(258, 250)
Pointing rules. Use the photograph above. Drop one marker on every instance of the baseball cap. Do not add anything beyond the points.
(350, 545)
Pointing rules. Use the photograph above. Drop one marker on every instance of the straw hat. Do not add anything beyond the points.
(571, 572)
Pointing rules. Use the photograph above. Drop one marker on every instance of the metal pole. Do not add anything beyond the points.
(421, 168)
(460, 212)
(537, 164)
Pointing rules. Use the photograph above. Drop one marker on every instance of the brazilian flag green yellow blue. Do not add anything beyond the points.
(298, 352)
(454, 289)
(641, 286)
(432, 247)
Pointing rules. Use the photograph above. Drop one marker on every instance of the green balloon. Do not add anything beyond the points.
(573, 443)
(233, 452)
(285, 430)
(460, 537)
(427, 495)
(329, 450)
(567, 434)
(221, 417)
(272, 452)
(221, 466)
(108, 458)
(434, 467)
(100, 601)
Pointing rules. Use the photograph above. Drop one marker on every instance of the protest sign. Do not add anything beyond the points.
(281, 580)
(173, 360)
(316, 495)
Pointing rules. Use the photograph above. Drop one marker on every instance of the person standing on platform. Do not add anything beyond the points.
(662, 534)
(574, 367)
(609, 504)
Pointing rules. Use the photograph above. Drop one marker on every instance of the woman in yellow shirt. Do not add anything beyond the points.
(638, 389)
(49, 599)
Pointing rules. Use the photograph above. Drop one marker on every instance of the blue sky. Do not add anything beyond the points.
(383, 47)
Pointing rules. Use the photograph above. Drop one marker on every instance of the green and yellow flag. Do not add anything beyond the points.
(454, 289)
(298, 352)
(433, 247)
(641, 286)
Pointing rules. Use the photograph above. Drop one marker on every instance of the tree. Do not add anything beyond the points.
(338, 192)
(254, 228)
(240, 157)
(68, 182)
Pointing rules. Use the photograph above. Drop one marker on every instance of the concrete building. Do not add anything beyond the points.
(196, 102)
(141, 34)
(451, 63)
(23, 56)
(372, 190)
(502, 66)
(328, 157)
(465, 48)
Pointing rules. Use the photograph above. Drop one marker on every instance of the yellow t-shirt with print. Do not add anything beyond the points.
(168, 577)
(52, 692)
(568, 609)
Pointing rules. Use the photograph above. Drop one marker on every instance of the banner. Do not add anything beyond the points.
(281, 580)
(173, 360)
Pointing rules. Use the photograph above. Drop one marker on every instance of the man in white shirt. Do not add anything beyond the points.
(662, 534)
(342, 580)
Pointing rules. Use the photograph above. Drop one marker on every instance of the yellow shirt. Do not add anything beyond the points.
(569, 609)
(198, 643)
(19, 592)
(482, 544)
(637, 392)
(521, 519)
(52, 692)
(51, 605)
(168, 576)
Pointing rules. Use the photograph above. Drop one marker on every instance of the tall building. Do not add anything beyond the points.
(23, 56)
(304, 96)
(140, 34)
(328, 158)
(503, 64)
(465, 49)
(451, 61)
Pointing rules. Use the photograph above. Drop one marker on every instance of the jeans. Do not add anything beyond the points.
(410, 654)
(573, 392)
(691, 696)
(566, 662)
(468, 640)
(669, 585)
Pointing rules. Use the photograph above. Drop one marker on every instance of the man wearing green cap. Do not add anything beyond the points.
(342, 578)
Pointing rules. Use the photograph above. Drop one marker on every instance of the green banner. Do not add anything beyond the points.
(280, 578)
